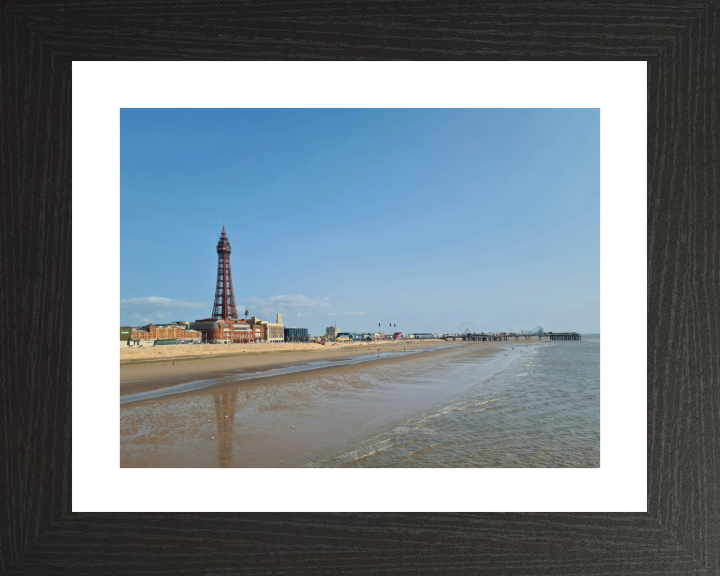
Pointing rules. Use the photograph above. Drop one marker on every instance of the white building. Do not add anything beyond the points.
(275, 332)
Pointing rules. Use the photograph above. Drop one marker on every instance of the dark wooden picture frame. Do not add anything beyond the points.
(680, 533)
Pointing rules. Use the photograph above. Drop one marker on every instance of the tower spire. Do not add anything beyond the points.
(224, 307)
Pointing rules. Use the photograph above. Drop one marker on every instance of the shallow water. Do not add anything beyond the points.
(542, 411)
(456, 407)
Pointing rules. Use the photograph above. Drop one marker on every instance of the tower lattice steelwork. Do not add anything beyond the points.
(224, 307)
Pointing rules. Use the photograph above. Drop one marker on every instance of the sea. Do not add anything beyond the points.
(542, 410)
(525, 405)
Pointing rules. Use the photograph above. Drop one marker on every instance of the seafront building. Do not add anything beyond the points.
(272, 332)
(331, 332)
(172, 331)
(297, 335)
(276, 332)
(344, 336)
(228, 331)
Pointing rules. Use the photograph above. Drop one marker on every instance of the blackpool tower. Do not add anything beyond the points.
(224, 307)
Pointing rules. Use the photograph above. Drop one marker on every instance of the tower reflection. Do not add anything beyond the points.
(225, 403)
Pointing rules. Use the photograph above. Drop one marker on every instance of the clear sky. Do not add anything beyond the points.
(424, 218)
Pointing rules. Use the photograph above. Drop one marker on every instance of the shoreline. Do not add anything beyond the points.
(278, 419)
(144, 377)
(151, 367)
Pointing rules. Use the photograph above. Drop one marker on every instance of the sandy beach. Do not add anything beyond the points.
(132, 354)
(168, 365)
(278, 420)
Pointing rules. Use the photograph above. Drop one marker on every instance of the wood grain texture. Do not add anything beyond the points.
(681, 531)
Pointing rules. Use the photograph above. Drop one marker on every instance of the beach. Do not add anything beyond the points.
(336, 394)
(133, 354)
(168, 365)
(474, 404)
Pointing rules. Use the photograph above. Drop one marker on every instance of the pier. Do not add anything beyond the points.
(562, 336)
(505, 336)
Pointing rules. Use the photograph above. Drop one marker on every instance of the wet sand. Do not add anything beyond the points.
(278, 420)
(140, 376)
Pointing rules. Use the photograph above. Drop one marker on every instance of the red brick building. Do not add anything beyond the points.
(163, 333)
(230, 331)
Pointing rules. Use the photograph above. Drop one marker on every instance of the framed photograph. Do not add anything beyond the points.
(87, 494)
(457, 404)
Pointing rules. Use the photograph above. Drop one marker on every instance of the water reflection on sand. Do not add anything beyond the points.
(225, 404)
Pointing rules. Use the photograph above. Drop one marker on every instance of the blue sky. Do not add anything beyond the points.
(424, 218)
